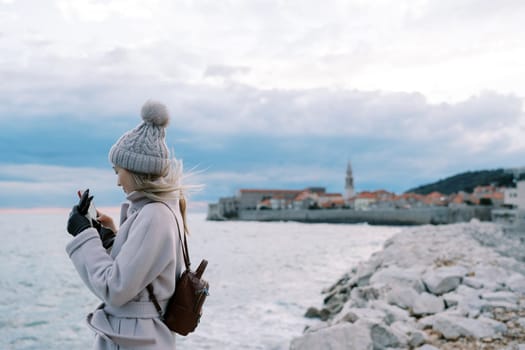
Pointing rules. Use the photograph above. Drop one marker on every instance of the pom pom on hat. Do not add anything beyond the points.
(155, 113)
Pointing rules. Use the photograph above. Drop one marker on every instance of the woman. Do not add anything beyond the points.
(146, 250)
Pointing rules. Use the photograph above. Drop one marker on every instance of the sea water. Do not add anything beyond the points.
(263, 277)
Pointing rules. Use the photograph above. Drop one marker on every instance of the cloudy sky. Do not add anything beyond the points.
(262, 93)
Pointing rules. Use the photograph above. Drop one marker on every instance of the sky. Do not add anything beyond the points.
(262, 93)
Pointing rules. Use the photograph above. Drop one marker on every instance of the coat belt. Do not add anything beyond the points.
(99, 322)
(135, 309)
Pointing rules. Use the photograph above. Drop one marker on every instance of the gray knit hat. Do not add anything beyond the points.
(143, 149)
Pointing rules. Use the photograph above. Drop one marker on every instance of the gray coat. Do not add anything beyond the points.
(146, 250)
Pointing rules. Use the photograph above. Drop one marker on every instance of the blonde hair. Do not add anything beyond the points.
(167, 186)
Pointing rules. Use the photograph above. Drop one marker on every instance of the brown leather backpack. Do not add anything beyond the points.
(184, 309)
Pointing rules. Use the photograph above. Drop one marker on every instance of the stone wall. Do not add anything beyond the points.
(415, 216)
(512, 220)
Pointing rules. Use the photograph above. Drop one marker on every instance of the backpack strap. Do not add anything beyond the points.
(185, 254)
(184, 244)
(154, 300)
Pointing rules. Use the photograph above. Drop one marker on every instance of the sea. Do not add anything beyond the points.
(263, 276)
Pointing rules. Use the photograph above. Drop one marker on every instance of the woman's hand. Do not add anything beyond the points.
(107, 230)
(77, 221)
(106, 221)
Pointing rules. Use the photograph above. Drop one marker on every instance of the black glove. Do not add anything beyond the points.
(106, 236)
(77, 221)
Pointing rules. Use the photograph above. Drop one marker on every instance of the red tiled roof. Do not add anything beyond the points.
(484, 189)
(494, 195)
(379, 192)
(366, 195)
(265, 202)
(411, 195)
(434, 194)
(458, 199)
(330, 203)
(302, 196)
(266, 191)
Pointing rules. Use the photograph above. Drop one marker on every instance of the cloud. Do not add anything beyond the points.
(224, 71)
(408, 90)
(269, 175)
(37, 41)
(445, 51)
(36, 185)
(97, 11)
(236, 126)
(477, 122)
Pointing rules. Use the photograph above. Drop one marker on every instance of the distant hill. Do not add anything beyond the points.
(467, 182)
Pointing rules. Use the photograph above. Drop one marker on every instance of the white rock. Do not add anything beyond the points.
(471, 306)
(502, 299)
(414, 337)
(473, 282)
(384, 337)
(507, 297)
(354, 314)
(394, 275)
(393, 313)
(427, 304)
(344, 336)
(468, 292)
(366, 293)
(444, 279)
(403, 297)
(465, 301)
(356, 301)
(426, 322)
(492, 277)
(360, 296)
(364, 271)
(491, 305)
(417, 338)
(404, 327)
(468, 301)
(516, 283)
(316, 327)
(453, 327)
(427, 347)
(452, 299)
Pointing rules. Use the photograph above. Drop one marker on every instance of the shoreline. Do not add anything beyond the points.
(458, 286)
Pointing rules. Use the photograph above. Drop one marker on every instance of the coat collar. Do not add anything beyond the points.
(137, 200)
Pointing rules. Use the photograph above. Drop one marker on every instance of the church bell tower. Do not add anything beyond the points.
(349, 183)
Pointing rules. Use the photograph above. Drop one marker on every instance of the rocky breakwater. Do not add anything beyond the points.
(458, 286)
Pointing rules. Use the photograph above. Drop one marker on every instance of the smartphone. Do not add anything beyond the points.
(92, 211)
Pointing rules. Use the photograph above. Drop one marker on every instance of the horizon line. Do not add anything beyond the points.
(195, 206)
